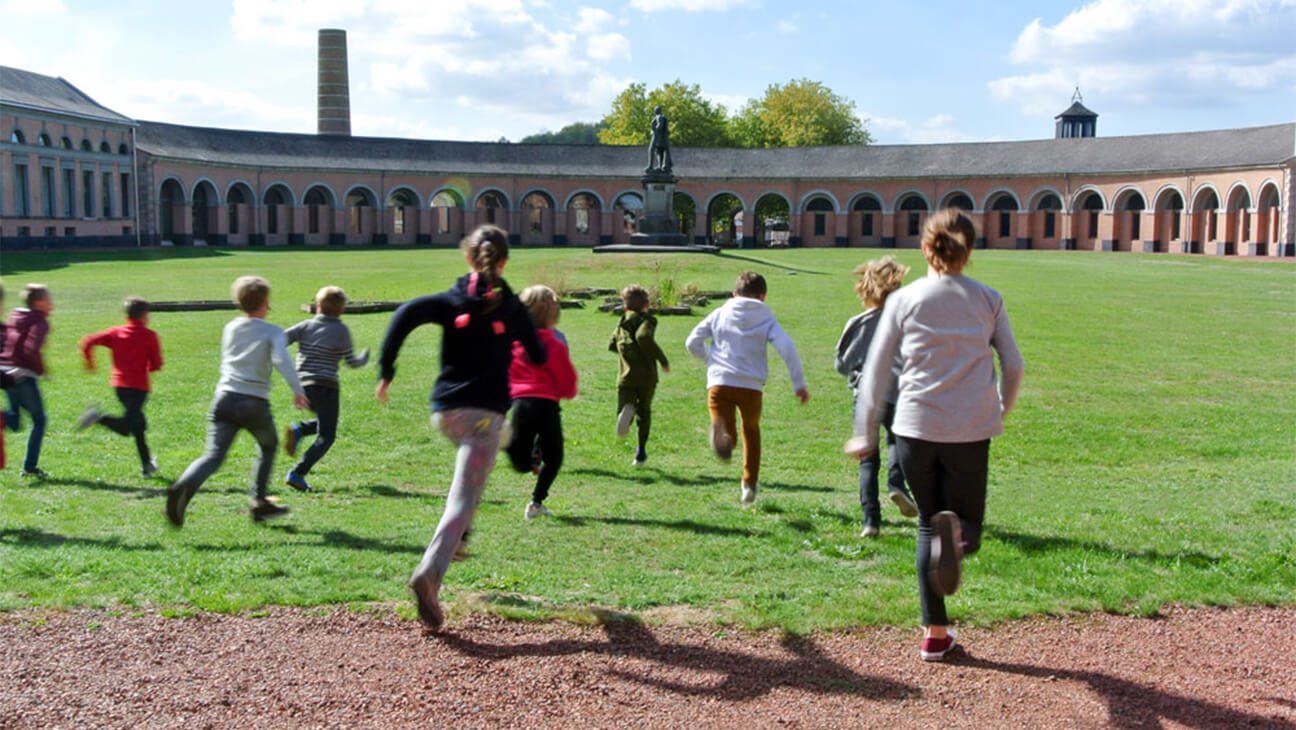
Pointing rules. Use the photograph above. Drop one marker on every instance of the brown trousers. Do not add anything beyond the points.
(722, 400)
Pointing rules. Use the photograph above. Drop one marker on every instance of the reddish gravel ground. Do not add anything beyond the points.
(1202, 668)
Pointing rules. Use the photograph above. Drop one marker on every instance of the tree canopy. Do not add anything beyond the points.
(694, 120)
(800, 113)
(574, 133)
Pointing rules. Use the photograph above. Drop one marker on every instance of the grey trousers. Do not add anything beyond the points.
(230, 413)
(476, 433)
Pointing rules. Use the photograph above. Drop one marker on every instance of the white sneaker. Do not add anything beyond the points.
(150, 469)
(748, 494)
(89, 417)
(870, 531)
(624, 418)
(535, 509)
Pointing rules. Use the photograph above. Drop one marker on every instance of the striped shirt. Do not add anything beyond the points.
(321, 342)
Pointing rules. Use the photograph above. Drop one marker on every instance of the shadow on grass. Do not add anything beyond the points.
(1037, 543)
(693, 526)
(779, 486)
(386, 490)
(762, 262)
(326, 539)
(745, 676)
(32, 537)
(35, 260)
(1135, 705)
(139, 492)
(646, 476)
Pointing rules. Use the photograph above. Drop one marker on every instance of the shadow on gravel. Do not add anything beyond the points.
(1134, 705)
(1038, 543)
(746, 676)
(693, 526)
(29, 536)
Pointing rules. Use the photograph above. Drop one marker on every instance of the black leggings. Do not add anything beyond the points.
(132, 422)
(944, 477)
(537, 422)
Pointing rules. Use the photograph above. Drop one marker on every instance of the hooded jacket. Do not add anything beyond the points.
(739, 330)
(634, 340)
(24, 337)
(480, 321)
(555, 380)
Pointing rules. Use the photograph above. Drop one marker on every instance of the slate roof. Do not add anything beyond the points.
(1077, 110)
(53, 94)
(1227, 148)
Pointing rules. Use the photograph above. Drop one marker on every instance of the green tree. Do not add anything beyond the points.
(800, 113)
(574, 133)
(694, 121)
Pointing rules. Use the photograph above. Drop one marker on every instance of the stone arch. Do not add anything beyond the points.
(502, 197)
(584, 211)
(171, 202)
(1269, 194)
(537, 206)
(278, 201)
(447, 206)
(1202, 197)
(105, 148)
(772, 219)
(865, 223)
(44, 140)
(819, 193)
(712, 197)
(123, 149)
(860, 196)
(249, 198)
(319, 201)
(407, 196)
(283, 193)
(1129, 196)
(17, 137)
(904, 196)
(321, 194)
(361, 193)
(911, 208)
(1239, 196)
(361, 206)
(182, 198)
(240, 201)
(204, 200)
(1162, 198)
(86, 146)
(1268, 205)
(1128, 205)
(602, 207)
(996, 197)
(492, 200)
(402, 206)
(1038, 194)
(1084, 193)
(724, 208)
(958, 198)
(66, 142)
(627, 209)
(446, 194)
(216, 198)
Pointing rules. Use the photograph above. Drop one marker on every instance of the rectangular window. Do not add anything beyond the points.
(1213, 219)
(866, 225)
(443, 220)
(107, 194)
(69, 193)
(24, 230)
(398, 220)
(69, 231)
(1174, 225)
(232, 213)
(1246, 226)
(820, 225)
(913, 224)
(47, 192)
(1093, 224)
(125, 195)
(51, 231)
(1050, 224)
(1005, 224)
(20, 191)
(1136, 225)
(490, 215)
(314, 219)
(272, 219)
(87, 193)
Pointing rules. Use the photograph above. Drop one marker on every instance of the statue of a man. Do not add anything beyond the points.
(659, 159)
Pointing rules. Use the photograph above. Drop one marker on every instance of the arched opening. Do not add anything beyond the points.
(493, 206)
(447, 215)
(959, 200)
(17, 137)
(819, 225)
(1129, 220)
(360, 212)
(537, 217)
(1205, 221)
(1267, 217)
(277, 201)
(65, 142)
(773, 221)
(105, 148)
(866, 220)
(170, 209)
(44, 140)
(319, 210)
(1086, 218)
(1044, 223)
(912, 212)
(1239, 220)
(203, 209)
(86, 146)
(685, 213)
(627, 211)
(238, 211)
(583, 219)
(724, 226)
(402, 206)
(122, 149)
(1169, 219)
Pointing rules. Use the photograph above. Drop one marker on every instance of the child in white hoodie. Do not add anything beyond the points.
(737, 368)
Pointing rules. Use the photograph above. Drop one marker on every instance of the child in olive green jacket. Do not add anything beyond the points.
(634, 342)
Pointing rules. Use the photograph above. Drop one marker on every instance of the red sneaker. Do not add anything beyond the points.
(934, 650)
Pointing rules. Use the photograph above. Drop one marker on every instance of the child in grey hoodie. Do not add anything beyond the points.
(737, 367)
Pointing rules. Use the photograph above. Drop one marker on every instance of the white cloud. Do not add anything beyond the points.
(25, 7)
(607, 46)
(591, 20)
(652, 6)
(786, 27)
(1170, 53)
(187, 101)
(731, 102)
(935, 129)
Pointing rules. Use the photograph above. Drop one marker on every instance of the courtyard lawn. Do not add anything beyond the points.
(1151, 458)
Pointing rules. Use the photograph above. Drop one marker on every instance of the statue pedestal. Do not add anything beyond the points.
(658, 225)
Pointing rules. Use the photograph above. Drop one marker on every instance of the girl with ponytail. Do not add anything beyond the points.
(480, 319)
(947, 329)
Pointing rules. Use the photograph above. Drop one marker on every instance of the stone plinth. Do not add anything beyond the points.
(658, 225)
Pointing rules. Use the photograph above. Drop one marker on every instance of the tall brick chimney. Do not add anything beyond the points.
(334, 87)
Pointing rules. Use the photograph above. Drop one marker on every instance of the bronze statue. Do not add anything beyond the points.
(659, 158)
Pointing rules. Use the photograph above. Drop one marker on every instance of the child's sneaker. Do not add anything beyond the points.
(905, 503)
(298, 482)
(36, 473)
(264, 509)
(149, 470)
(177, 501)
(624, 418)
(535, 509)
(721, 444)
(946, 553)
(425, 589)
(89, 417)
(292, 434)
(640, 457)
(870, 531)
(748, 494)
(934, 650)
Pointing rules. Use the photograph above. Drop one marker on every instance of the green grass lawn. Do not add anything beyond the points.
(1150, 459)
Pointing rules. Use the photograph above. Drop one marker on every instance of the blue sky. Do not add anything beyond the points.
(482, 69)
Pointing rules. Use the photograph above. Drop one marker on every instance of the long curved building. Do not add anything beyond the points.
(76, 174)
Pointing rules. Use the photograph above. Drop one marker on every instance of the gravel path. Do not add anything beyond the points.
(1202, 668)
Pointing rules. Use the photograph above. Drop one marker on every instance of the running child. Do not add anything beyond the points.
(136, 352)
(737, 367)
(480, 319)
(634, 342)
(21, 357)
(947, 329)
(250, 347)
(536, 389)
(877, 279)
(322, 341)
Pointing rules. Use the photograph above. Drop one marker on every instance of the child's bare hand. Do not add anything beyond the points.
(300, 401)
(803, 395)
(858, 446)
(380, 392)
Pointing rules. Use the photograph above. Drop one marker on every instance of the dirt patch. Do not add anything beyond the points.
(1203, 668)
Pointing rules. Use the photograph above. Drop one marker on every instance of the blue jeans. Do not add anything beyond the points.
(26, 395)
(324, 402)
(869, 468)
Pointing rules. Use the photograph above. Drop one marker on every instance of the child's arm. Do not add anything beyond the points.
(410, 315)
(646, 336)
(522, 328)
(89, 342)
(155, 353)
(852, 348)
(1011, 365)
(354, 361)
(294, 333)
(875, 381)
(696, 342)
(786, 349)
(564, 372)
(283, 363)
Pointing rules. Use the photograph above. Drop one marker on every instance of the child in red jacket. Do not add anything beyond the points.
(135, 353)
(536, 390)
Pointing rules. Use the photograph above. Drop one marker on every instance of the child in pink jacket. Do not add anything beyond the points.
(537, 443)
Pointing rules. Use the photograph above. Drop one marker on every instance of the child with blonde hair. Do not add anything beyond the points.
(536, 390)
(877, 279)
(947, 329)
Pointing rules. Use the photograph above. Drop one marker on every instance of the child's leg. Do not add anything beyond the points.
(254, 415)
(26, 395)
(324, 401)
(868, 489)
(11, 416)
(551, 445)
(476, 432)
(895, 474)
(643, 411)
(921, 464)
(749, 406)
(526, 421)
(965, 466)
(722, 405)
(221, 429)
(133, 401)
